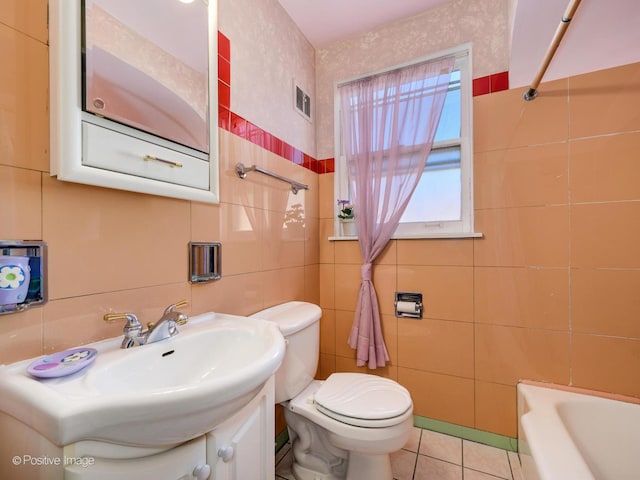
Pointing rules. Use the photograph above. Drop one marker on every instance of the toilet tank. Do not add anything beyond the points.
(299, 324)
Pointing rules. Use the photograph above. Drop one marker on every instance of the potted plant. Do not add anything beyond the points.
(346, 216)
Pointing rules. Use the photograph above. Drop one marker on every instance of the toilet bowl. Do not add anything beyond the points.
(344, 427)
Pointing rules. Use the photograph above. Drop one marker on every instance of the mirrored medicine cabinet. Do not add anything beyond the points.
(133, 95)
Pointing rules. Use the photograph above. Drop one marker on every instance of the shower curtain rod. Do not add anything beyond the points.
(557, 38)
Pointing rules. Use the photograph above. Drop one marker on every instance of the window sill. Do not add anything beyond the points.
(451, 235)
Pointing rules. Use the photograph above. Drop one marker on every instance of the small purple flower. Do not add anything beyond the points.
(346, 209)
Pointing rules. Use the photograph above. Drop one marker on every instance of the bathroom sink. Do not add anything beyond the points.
(155, 395)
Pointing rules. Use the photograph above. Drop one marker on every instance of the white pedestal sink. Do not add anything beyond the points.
(157, 395)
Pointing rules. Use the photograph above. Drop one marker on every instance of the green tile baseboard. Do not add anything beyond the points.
(466, 433)
(281, 439)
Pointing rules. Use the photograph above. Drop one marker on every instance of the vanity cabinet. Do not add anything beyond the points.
(179, 463)
(240, 448)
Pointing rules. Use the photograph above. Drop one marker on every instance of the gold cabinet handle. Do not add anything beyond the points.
(171, 163)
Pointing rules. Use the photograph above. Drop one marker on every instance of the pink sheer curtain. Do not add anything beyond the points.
(389, 122)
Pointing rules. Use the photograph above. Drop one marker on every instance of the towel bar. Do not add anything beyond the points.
(242, 171)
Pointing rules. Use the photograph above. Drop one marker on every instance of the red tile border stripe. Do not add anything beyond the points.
(229, 121)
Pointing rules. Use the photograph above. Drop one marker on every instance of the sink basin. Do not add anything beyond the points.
(155, 395)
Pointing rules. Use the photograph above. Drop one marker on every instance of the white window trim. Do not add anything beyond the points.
(463, 228)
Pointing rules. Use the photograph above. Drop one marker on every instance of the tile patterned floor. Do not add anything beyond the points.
(434, 456)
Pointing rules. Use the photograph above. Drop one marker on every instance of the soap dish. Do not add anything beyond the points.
(62, 363)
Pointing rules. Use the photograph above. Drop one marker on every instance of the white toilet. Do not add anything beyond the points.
(344, 427)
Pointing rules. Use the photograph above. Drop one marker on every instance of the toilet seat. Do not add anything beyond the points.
(363, 400)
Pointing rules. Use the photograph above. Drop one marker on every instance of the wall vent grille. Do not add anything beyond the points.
(302, 102)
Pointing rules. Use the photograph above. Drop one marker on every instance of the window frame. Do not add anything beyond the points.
(444, 229)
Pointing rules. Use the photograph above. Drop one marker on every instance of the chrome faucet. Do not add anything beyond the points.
(164, 328)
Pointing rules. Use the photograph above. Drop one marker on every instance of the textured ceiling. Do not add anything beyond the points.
(326, 21)
(602, 34)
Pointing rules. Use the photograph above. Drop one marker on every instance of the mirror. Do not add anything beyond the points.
(134, 95)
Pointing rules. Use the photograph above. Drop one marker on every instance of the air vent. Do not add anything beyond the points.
(302, 102)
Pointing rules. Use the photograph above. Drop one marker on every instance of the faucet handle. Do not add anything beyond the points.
(131, 319)
(174, 306)
(182, 319)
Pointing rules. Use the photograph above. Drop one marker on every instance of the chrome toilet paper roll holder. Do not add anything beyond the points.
(409, 297)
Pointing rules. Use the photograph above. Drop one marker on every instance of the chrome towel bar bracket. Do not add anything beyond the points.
(242, 171)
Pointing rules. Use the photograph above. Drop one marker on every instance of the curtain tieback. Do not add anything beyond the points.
(366, 271)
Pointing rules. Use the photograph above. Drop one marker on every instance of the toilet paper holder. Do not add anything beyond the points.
(408, 304)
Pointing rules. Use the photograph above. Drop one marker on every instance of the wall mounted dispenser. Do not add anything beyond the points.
(23, 275)
(205, 261)
(408, 304)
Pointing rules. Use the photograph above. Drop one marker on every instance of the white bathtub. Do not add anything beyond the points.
(563, 435)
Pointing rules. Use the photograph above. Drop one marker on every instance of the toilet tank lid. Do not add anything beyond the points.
(291, 317)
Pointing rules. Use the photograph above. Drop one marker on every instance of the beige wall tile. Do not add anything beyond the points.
(344, 324)
(522, 297)
(390, 335)
(251, 190)
(605, 169)
(281, 247)
(443, 397)
(600, 101)
(312, 241)
(385, 281)
(508, 354)
(327, 199)
(280, 422)
(347, 286)
(389, 255)
(347, 252)
(235, 294)
(527, 236)
(205, 222)
(103, 240)
(605, 235)
(605, 302)
(344, 364)
(21, 335)
(447, 292)
(504, 120)
(328, 332)
(326, 366)
(312, 283)
(21, 205)
(521, 177)
(70, 322)
(327, 247)
(496, 408)
(24, 101)
(327, 286)
(608, 364)
(435, 252)
(26, 16)
(242, 234)
(283, 285)
(436, 346)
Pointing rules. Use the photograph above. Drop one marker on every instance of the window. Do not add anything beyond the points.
(442, 204)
